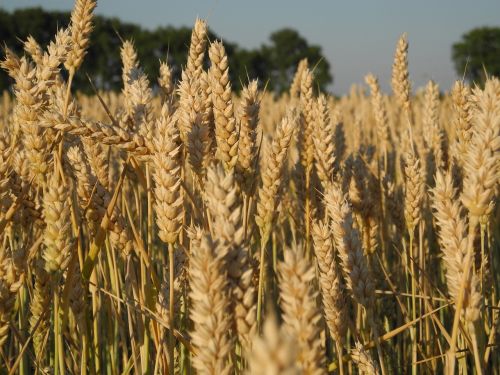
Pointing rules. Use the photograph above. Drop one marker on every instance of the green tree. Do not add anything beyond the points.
(287, 48)
(478, 54)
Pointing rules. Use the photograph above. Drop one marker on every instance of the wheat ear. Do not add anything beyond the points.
(40, 302)
(269, 194)
(332, 287)
(247, 145)
(32, 47)
(365, 362)
(210, 304)
(297, 78)
(453, 243)
(223, 199)
(274, 353)
(194, 65)
(348, 244)
(168, 195)
(81, 27)
(414, 191)
(400, 78)
(58, 233)
(272, 176)
(323, 138)
(481, 164)
(380, 114)
(301, 317)
(226, 131)
(462, 122)
(165, 81)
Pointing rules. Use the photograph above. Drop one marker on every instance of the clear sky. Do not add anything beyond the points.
(357, 36)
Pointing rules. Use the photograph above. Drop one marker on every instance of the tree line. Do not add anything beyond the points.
(272, 63)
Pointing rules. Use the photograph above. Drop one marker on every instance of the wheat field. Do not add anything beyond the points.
(179, 228)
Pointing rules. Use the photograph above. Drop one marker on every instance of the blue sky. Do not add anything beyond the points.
(357, 36)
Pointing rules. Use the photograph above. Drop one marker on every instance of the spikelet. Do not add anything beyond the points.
(301, 317)
(332, 287)
(11, 63)
(32, 47)
(81, 27)
(210, 303)
(168, 195)
(272, 177)
(400, 78)
(226, 132)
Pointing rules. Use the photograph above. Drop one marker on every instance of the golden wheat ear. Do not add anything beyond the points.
(301, 316)
(210, 303)
(226, 131)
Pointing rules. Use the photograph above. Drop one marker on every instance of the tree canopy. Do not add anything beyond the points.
(477, 54)
(272, 63)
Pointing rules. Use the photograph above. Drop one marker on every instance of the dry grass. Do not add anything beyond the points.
(195, 231)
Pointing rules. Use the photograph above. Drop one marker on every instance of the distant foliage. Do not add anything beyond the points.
(477, 54)
(164, 43)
